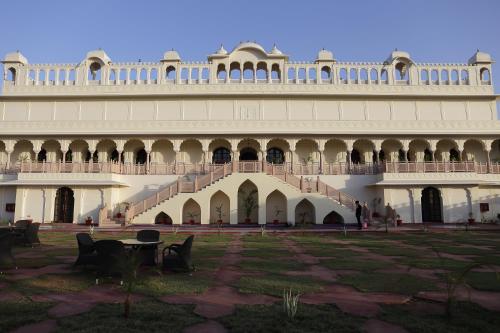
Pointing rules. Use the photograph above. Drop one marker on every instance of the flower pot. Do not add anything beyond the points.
(399, 222)
(276, 221)
(219, 221)
(248, 220)
(471, 221)
(365, 225)
(118, 215)
(191, 221)
(88, 222)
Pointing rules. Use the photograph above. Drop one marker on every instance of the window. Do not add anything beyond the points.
(275, 156)
(221, 156)
(170, 73)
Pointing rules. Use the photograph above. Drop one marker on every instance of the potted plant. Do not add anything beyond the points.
(218, 211)
(88, 220)
(277, 212)
(399, 221)
(191, 216)
(249, 203)
(471, 219)
(302, 216)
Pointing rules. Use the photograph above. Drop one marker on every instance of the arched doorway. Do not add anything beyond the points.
(221, 156)
(333, 218)
(248, 203)
(219, 208)
(163, 218)
(191, 212)
(64, 205)
(305, 213)
(248, 154)
(431, 205)
(275, 156)
(141, 157)
(276, 208)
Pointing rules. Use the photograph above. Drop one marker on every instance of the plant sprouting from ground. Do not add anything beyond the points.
(129, 266)
(175, 229)
(263, 230)
(290, 303)
(249, 201)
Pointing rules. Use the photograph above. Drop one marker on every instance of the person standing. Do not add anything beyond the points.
(358, 214)
(365, 213)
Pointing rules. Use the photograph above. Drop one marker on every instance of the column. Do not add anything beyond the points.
(321, 159)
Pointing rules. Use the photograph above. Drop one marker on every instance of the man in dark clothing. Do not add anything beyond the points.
(358, 214)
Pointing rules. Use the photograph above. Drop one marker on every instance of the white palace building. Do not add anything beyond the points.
(248, 136)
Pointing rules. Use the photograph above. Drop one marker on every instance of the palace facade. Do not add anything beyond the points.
(248, 136)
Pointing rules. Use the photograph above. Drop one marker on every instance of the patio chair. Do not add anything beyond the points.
(178, 257)
(86, 250)
(31, 234)
(6, 258)
(149, 253)
(110, 257)
(22, 224)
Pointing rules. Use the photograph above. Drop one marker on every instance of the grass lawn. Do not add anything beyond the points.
(271, 257)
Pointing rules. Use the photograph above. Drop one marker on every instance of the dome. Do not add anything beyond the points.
(15, 57)
(171, 55)
(99, 54)
(480, 58)
(399, 55)
(249, 45)
(325, 55)
(275, 50)
(221, 50)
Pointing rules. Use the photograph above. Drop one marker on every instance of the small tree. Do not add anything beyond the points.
(249, 202)
(129, 266)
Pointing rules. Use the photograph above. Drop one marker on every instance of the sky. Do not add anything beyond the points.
(63, 31)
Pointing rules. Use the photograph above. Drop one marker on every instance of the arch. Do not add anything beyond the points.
(419, 151)
(163, 218)
(275, 72)
(445, 76)
(365, 148)
(391, 149)
(64, 205)
(133, 75)
(205, 74)
(105, 148)
(184, 74)
(484, 74)
(383, 76)
(434, 76)
(112, 75)
(333, 218)
(373, 75)
(95, 71)
(221, 72)
(444, 150)
(343, 75)
(131, 148)
(162, 152)
(141, 157)
(195, 72)
(248, 202)
(312, 74)
(171, 73)
(234, 71)
(276, 207)
(219, 208)
(301, 75)
(53, 150)
(454, 77)
(192, 151)
(143, 75)
(305, 213)
(23, 151)
(221, 155)
(424, 75)
(153, 75)
(11, 74)
(291, 74)
(261, 72)
(464, 75)
(42, 155)
(335, 151)
(307, 151)
(326, 73)
(275, 155)
(401, 72)
(353, 75)
(474, 151)
(431, 203)
(363, 75)
(78, 148)
(248, 71)
(248, 154)
(191, 212)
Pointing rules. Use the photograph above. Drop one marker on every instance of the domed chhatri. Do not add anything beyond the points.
(189, 142)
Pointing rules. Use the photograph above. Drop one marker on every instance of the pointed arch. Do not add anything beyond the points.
(333, 218)
(191, 212)
(64, 205)
(219, 207)
(248, 202)
(431, 203)
(163, 218)
(305, 213)
(276, 207)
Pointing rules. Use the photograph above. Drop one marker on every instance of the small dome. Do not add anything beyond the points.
(325, 55)
(221, 50)
(99, 54)
(15, 57)
(171, 56)
(480, 58)
(275, 50)
(396, 54)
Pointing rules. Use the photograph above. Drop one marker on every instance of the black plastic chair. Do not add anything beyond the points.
(6, 258)
(86, 250)
(148, 253)
(31, 234)
(22, 224)
(178, 258)
(110, 258)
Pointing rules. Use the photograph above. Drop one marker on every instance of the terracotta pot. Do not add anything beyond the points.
(220, 221)
(276, 221)
(471, 221)
(88, 222)
(248, 220)
(191, 221)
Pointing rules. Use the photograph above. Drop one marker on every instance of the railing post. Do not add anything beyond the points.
(211, 177)
(195, 184)
(301, 183)
(143, 205)
(157, 197)
(235, 166)
(317, 184)
(179, 185)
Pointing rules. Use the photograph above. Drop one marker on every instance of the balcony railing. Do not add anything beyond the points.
(338, 168)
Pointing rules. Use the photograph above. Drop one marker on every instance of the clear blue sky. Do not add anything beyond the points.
(355, 30)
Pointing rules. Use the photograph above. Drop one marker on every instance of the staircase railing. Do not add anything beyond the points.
(179, 186)
(311, 185)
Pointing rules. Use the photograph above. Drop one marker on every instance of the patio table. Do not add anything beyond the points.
(150, 255)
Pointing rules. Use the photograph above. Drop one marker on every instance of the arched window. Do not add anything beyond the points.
(221, 156)
(445, 76)
(11, 74)
(204, 74)
(170, 73)
(302, 74)
(143, 76)
(248, 74)
(195, 72)
(363, 75)
(133, 75)
(184, 74)
(248, 154)
(326, 73)
(94, 71)
(383, 76)
(355, 156)
(401, 71)
(427, 155)
(291, 74)
(275, 156)
(343, 75)
(374, 75)
(454, 77)
(464, 75)
(484, 73)
(42, 155)
(275, 72)
(221, 72)
(434, 76)
(153, 75)
(353, 75)
(261, 73)
(234, 71)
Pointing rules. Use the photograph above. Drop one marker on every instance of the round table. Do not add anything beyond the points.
(149, 249)
(135, 242)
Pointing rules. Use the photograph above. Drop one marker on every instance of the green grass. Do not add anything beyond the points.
(271, 266)
(272, 319)
(354, 264)
(405, 284)
(17, 314)
(148, 316)
(488, 281)
(467, 318)
(170, 284)
(461, 250)
(434, 263)
(55, 283)
(266, 253)
(490, 259)
(397, 251)
(274, 284)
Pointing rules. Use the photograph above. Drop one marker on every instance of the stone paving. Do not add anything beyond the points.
(222, 297)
